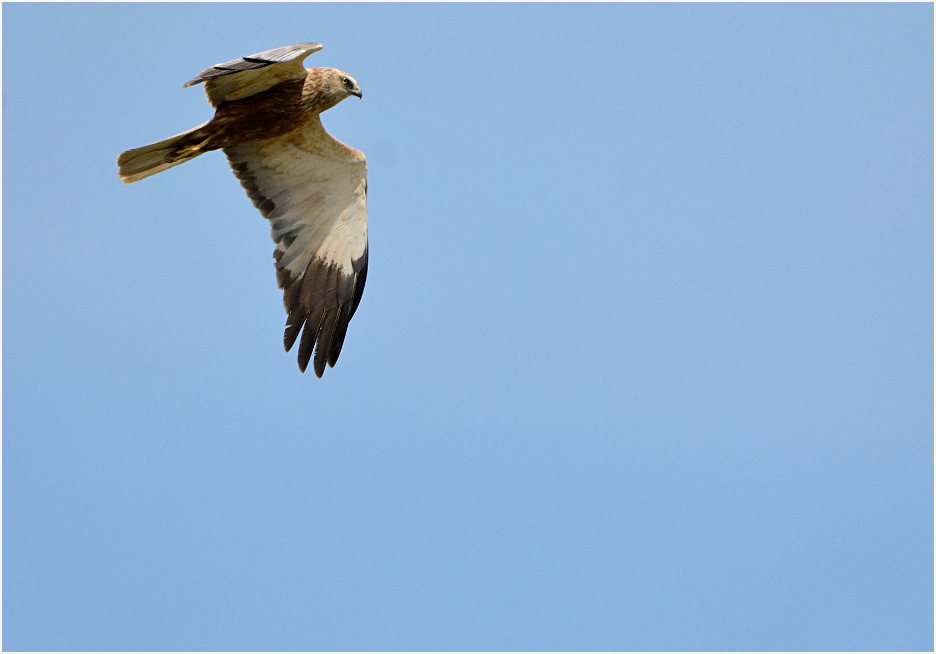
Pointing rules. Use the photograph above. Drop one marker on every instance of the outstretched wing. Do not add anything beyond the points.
(312, 189)
(238, 79)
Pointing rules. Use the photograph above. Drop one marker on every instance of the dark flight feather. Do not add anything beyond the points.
(254, 61)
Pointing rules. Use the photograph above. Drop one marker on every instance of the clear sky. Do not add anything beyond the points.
(644, 361)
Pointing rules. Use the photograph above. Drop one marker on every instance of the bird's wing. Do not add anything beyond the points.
(312, 189)
(238, 79)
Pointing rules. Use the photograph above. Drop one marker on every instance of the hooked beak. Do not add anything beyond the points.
(357, 93)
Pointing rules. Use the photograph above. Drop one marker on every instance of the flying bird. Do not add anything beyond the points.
(309, 185)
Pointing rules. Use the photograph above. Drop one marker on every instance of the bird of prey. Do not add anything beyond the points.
(310, 186)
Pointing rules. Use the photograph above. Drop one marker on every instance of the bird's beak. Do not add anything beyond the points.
(357, 92)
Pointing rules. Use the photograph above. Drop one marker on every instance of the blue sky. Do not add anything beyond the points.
(644, 361)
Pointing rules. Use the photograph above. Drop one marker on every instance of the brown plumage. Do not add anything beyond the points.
(310, 186)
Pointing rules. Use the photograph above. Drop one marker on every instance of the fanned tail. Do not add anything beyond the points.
(150, 159)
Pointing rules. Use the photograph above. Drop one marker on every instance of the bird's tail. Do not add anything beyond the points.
(151, 159)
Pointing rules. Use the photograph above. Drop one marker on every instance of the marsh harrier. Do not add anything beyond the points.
(310, 186)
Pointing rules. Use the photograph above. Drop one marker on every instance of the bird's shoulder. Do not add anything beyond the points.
(312, 138)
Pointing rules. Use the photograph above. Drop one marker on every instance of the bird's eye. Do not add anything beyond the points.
(346, 82)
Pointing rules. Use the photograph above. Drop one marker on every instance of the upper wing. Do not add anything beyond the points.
(238, 79)
(312, 189)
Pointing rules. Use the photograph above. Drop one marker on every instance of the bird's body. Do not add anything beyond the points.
(310, 186)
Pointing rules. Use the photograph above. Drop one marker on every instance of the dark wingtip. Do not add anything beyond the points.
(303, 365)
(290, 334)
(323, 330)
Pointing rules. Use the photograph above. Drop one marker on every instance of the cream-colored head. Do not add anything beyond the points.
(326, 87)
(347, 84)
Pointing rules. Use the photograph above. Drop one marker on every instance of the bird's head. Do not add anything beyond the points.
(326, 87)
(348, 84)
(340, 85)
